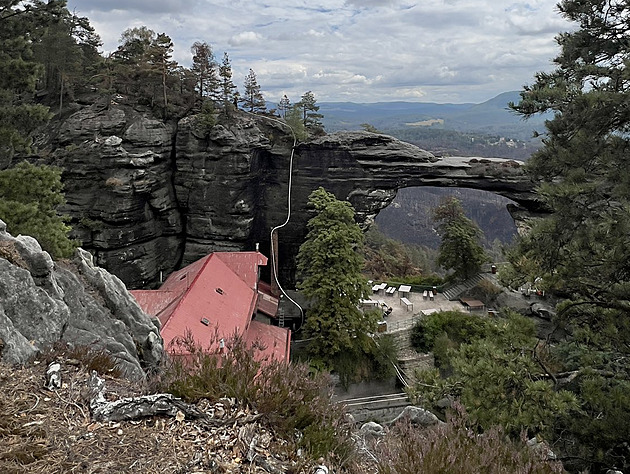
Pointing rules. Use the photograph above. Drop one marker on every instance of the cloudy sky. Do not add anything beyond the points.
(355, 50)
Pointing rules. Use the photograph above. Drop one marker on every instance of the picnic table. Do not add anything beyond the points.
(377, 288)
(368, 303)
(408, 304)
(404, 290)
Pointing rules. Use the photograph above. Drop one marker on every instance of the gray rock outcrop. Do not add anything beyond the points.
(417, 416)
(43, 302)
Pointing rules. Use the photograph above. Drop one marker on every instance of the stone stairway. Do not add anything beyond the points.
(453, 292)
(379, 407)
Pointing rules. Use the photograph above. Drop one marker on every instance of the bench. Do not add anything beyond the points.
(407, 303)
(431, 295)
(390, 291)
(425, 295)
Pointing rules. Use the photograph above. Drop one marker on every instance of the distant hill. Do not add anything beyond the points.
(492, 117)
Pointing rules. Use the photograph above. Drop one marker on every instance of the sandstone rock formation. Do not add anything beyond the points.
(147, 197)
(43, 302)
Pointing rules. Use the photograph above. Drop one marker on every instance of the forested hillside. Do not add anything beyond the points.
(409, 217)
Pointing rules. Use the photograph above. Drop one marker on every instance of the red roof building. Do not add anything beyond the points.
(217, 297)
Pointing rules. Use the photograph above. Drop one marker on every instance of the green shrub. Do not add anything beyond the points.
(207, 118)
(459, 327)
(370, 361)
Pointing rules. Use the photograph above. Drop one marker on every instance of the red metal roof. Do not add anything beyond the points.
(244, 264)
(214, 297)
(274, 342)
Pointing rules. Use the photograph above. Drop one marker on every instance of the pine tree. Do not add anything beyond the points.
(161, 54)
(283, 106)
(310, 116)
(331, 265)
(19, 72)
(581, 250)
(294, 120)
(68, 50)
(252, 97)
(460, 249)
(29, 198)
(204, 68)
(228, 91)
(132, 65)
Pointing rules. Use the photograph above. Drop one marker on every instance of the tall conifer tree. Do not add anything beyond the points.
(582, 250)
(330, 263)
(253, 99)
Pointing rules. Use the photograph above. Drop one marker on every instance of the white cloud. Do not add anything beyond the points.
(245, 38)
(361, 50)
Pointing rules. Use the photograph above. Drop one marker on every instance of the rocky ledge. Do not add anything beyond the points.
(74, 302)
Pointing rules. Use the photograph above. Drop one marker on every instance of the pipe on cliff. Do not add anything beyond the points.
(275, 229)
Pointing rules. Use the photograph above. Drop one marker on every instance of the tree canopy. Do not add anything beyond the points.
(253, 99)
(460, 248)
(330, 265)
(29, 198)
(581, 251)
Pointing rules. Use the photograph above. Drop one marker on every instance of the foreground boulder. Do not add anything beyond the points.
(74, 302)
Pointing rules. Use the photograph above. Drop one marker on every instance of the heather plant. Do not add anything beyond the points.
(293, 401)
(92, 358)
(455, 448)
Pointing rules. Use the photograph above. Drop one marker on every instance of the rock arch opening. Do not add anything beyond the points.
(408, 218)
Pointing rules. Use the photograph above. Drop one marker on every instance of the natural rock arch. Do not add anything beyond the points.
(146, 197)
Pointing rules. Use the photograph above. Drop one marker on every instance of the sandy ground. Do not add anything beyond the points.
(402, 317)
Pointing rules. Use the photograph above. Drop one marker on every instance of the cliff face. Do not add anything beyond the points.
(146, 197)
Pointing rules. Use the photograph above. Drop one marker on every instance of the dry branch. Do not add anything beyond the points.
(131, 408)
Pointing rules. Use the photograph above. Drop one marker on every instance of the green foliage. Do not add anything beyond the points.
(204, 68)
(29, 198)
(253, 99)
(581, 250)
(494, 371)
(283, 106)
(227, 89)
(459, 327)
(388, 259)
(294, 119)
(460, 250)
(370, 362)
(19, 73)
(68, 50)
(293, 401)
(455, 448)
(501, 385)
(330, 266)
(310, 117)
(207, 118)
